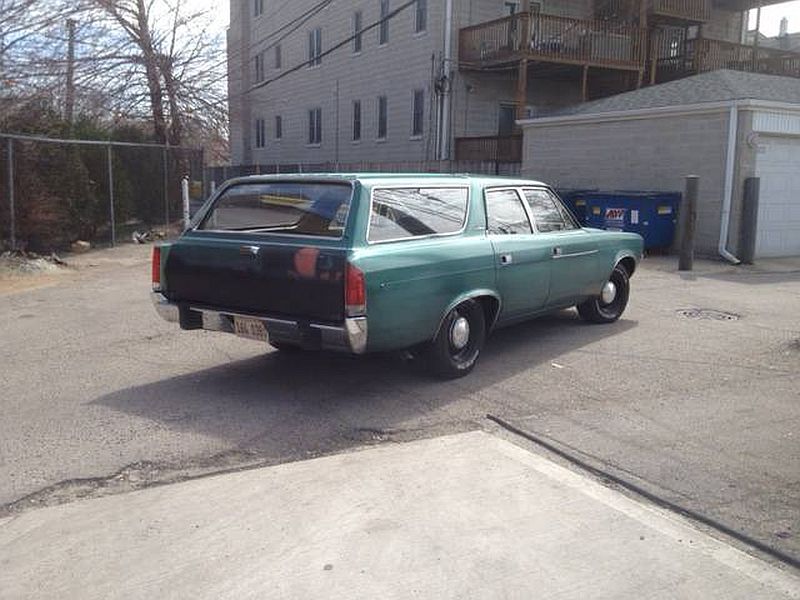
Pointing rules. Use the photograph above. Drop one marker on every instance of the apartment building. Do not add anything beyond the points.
(315, 81)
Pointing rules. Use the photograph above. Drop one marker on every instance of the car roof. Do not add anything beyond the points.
(373, 179)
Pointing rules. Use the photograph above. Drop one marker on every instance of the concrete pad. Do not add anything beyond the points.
(463, 516)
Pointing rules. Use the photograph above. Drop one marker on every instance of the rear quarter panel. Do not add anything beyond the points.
(412, 283)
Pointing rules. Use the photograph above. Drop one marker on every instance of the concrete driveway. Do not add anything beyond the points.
(99, 396)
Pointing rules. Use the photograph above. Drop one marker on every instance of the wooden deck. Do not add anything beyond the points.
(680, 11)
(552, 39)
(702, 55)
(490, 148)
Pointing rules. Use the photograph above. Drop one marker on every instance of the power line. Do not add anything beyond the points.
(335, 47)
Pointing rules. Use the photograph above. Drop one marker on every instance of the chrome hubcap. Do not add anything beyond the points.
(609, 292)
(459, 333)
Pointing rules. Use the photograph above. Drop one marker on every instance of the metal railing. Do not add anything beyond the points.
(554, 39)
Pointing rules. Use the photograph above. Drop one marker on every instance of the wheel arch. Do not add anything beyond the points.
(488, 299)
(628, 262)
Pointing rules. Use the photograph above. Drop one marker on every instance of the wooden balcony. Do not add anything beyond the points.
(552, 39)
(490, 148)
(680, 11)
(702, 54)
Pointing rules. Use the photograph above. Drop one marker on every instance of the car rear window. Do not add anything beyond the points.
(296, 208)
(400, 213)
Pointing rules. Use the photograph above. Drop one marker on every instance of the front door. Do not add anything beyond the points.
(575, 271)
(505, 123)
(522, 258)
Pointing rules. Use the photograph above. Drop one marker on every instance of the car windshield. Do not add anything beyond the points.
(299, 208)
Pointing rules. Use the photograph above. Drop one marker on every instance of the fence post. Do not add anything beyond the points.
(185, 197)
(749, 227)
(688, 220)
(111, 196)
(11, 206)
(165, 168)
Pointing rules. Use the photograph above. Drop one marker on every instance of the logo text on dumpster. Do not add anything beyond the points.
(615, 215)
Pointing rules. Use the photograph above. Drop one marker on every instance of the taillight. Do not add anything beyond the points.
(156, 268)
(355, 292)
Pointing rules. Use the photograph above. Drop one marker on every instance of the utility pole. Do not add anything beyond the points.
(69, 96)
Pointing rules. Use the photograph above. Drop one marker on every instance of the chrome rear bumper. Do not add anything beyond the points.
(349, 337)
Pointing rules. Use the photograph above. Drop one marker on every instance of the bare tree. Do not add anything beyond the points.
(177, 59)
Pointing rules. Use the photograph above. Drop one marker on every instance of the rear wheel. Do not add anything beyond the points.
(609, 305)
(458, 343)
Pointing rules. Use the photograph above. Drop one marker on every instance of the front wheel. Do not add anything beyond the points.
(609, 305)
(458, 343)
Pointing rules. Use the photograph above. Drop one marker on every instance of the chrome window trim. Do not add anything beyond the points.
(525, 208)
(313, 181)
(418, 187)
(559, 206)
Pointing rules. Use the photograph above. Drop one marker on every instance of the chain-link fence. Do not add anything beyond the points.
(54, 192)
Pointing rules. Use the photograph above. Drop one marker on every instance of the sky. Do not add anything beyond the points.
(770, 15)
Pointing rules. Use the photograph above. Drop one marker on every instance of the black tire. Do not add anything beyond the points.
(595, 310)
(449, 359)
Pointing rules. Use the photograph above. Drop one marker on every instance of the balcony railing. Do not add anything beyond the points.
(490, 148)
(553, 39)
(696, 11)
(710, 55)
(704, 54)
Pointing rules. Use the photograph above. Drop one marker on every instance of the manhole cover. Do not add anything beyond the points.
(707, 313)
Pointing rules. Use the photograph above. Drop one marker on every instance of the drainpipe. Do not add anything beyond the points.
(727, 200)
(444, 140)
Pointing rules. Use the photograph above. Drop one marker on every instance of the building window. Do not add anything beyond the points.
(278, 57)
(278, 127)
(315, 126)
(315, 47)
(421, 16)
(258, 7)
(357, 24)
(356, 120)
(382, 117)
(383, 28)
(261, 138)
(259, 66)
(418, 113)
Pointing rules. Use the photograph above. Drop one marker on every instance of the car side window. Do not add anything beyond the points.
(400, 213)
(547, 212)
(505, 214)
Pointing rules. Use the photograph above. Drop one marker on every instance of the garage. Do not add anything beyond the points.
(722, 126)
(778, 167)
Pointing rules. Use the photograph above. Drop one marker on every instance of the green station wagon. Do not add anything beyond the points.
(379, 262)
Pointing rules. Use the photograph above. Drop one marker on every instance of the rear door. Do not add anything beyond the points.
(522, 258)
(270, 248)
(573, 252)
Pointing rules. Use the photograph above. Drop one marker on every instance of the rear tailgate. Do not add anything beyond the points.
(258, 274)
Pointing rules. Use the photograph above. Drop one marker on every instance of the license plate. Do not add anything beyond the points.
(252, 329)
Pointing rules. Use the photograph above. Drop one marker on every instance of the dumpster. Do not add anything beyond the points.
(576, 202)
(653, 215)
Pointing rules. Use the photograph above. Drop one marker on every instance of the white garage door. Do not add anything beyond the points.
(778, 166)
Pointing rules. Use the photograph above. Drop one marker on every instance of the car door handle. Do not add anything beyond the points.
(557, 251)
(506, 259)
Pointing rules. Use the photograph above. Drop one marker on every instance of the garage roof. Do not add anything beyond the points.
(714, 86)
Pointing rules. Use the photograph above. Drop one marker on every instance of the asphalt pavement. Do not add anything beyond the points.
(98, 396)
